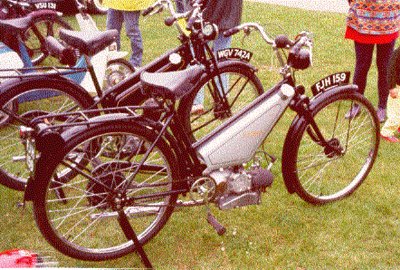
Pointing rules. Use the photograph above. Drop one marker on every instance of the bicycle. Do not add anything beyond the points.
(46, 22)
(243, 87)
(120, 178)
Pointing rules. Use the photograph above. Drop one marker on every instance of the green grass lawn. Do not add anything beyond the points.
(360, 232)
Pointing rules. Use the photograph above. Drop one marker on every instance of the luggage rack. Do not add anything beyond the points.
(39, 71)
(91, 116)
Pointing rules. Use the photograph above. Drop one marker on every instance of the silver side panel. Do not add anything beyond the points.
(237, 143)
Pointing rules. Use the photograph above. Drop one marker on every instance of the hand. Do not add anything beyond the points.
(394, 93)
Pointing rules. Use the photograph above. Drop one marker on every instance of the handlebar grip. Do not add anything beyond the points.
(169, 21)
(297, 46)
(147, 11)
(231, 32)
(282, 41)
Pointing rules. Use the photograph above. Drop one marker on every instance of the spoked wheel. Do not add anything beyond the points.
(201, 113)
(325, 172)
(27, 103)
(96, 6)
(79, 217)
(34, 37)
(117, 70)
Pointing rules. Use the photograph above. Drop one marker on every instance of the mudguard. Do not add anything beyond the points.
(44, 81)
(299, 120)
(35, 182)
(51, 143)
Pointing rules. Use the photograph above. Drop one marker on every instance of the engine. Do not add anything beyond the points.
(236, 189)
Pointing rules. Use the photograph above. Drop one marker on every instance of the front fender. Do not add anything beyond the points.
(299, 121)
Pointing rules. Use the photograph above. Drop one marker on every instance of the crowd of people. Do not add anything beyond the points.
(370, 24)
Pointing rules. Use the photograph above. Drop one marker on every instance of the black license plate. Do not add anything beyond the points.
(336, 79)
(234, 53)
(46, 5)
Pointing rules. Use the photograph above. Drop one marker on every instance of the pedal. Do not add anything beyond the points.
(218, 227)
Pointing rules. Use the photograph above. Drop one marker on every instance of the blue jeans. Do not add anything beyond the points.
(220, 43)
(115, 19)
(180, 5)
(364, 54)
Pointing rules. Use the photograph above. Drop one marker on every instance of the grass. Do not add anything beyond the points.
(283, 232)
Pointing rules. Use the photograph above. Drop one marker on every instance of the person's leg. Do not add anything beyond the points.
(131, 19)
(384, 51)
(114, 21)
(180, 5)
(220, 43)
(364, 54)
(393, 121)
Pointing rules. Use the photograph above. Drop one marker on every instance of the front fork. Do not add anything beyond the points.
(301, 105)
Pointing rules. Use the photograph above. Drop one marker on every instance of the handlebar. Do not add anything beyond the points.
(281, 41)
(191, 16)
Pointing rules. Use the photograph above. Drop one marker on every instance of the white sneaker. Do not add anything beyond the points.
(197, 109)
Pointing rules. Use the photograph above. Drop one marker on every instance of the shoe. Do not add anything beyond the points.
(353, 112)
(381, 114)
(391, 139)
(197, 109)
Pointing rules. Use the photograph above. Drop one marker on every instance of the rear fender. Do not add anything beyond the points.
(43, 82)
(48, 141)
(37, 181)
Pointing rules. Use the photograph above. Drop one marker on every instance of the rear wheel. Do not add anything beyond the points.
(27, 102)
(325, 173)
(80, 217)
(116, 71)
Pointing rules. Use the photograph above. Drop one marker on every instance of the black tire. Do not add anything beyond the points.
(34, 37)
(60, 97)
(97, 7)
(318, 174)
(116, 71)
(90, 230)
(243, 82)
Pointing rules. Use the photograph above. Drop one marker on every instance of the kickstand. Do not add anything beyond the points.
(131, 235)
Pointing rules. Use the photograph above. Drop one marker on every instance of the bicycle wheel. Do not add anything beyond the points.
(34, 37)
(79, 217)
(325, 174)
(117, 70)
(33, 99)
(241, 86)
(97, 7)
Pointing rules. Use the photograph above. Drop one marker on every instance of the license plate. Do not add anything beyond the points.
(234, 53)
(336, 79)
(46, 5)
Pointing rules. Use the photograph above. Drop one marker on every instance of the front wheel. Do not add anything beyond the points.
(201, 112)
(34, 36)
(324, 172)
(97, 7)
